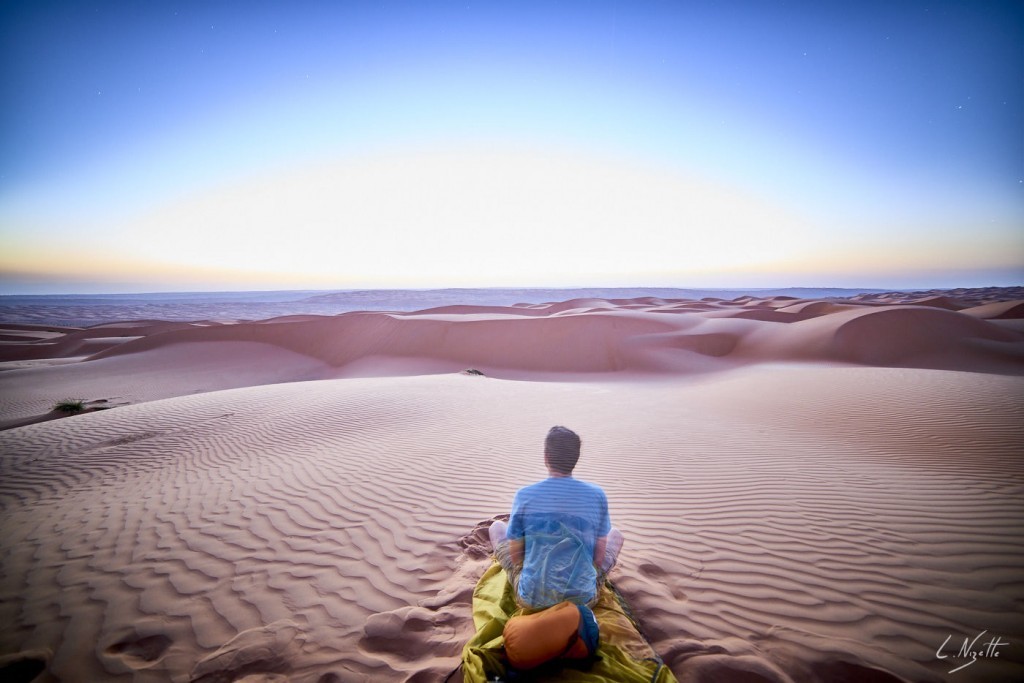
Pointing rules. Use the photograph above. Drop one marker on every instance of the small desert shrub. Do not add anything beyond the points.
(70, 405)
(474, 371)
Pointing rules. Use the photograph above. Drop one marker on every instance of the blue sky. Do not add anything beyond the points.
(161, 146)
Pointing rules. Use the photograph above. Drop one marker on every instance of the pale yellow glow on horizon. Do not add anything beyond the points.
(473, 217)
(507, 217)
(95, 263)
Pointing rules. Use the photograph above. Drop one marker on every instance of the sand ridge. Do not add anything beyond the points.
(580, 338)
(786, 521)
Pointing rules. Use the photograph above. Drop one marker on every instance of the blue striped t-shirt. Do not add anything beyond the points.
(560, 520)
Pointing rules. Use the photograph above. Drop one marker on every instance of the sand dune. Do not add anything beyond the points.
(551, 341)
(827, 498)
(998, 310)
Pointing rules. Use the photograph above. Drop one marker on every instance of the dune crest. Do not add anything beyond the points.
(575, 339)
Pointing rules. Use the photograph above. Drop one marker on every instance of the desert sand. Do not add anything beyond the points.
(811, 490)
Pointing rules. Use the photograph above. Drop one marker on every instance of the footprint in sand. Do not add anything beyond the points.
(848, 671)
(23, 667)
(261, 654)
(140, 651)
(435, 631)
(669, 581)
(741, 669)
(715, 666)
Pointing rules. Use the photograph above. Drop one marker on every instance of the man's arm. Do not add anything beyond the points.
(516, 550)
(599, 549)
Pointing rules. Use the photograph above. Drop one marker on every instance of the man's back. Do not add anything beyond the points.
(560, 520)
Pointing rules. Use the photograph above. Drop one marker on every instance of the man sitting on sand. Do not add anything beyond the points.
(559, 543)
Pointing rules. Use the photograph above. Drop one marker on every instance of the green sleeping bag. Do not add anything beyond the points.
(623, 655)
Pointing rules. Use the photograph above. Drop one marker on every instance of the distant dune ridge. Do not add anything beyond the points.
(812, 488)
(973, 332)
(88, 310)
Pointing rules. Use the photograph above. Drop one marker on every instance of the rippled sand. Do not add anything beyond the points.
(785, 521)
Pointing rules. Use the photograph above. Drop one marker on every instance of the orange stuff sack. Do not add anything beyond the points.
(565, 631)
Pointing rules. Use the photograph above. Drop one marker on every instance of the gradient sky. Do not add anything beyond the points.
(149, 146)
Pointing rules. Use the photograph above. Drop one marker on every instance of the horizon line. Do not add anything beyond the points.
(875, 289)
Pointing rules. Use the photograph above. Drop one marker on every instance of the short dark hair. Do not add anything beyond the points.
(562, 448)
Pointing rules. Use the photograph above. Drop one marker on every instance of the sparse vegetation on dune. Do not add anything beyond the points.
(70, 405)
